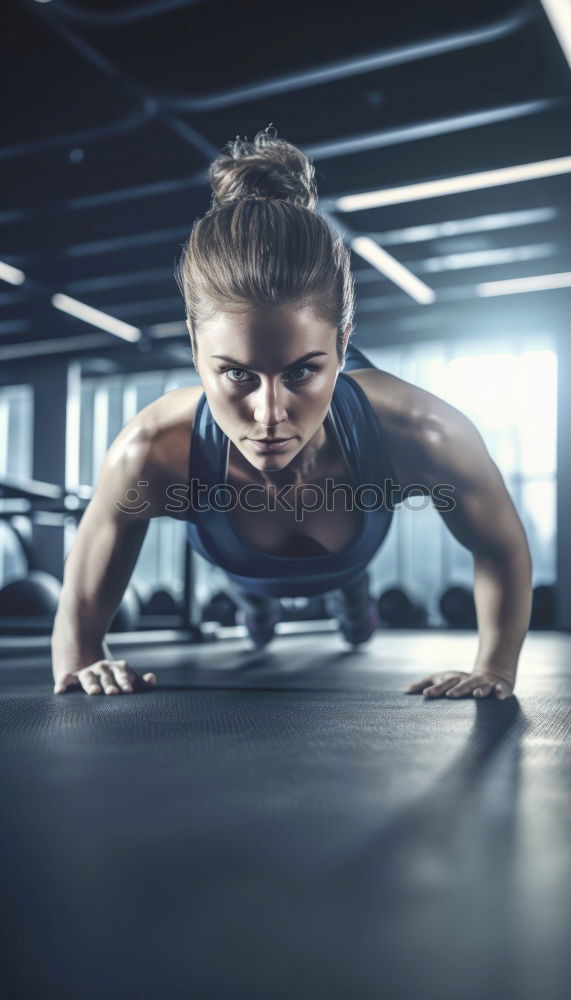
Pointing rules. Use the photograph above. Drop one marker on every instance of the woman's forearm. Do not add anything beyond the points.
(503, 595)
(72, 645)
(78, 636)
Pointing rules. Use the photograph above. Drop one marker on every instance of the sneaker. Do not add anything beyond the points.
(260, 626)
(357, 632)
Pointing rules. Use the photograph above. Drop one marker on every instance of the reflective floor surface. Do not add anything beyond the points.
(288, 824)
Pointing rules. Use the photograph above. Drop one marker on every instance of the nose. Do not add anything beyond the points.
(269, 409)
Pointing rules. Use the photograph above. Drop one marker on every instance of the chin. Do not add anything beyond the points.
(270, 463)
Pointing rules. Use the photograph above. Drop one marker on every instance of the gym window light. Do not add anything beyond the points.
(95, 317)
(392, 269)
(537, 283)
(454, 185)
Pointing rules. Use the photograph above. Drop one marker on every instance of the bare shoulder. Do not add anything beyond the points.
(402, 407)
(154, 447)
(413, 420)
(167, 422)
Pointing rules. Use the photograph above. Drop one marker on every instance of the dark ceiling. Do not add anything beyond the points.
(113, 111)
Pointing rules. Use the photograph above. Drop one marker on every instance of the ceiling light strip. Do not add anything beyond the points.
(514, 286)
(11, 274)
(454, 185)
(559, 14)
(95, 317)
(392, 269)
(425, 130)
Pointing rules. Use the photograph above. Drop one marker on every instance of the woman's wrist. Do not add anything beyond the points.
(499, 666)
(71, 652)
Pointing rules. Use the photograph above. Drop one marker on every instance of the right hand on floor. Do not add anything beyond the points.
(104, 677)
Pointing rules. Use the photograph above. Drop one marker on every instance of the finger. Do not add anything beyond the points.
(437, 689)
(107, 681)
(65, 682)
(150, 679)
(89, 682)
(124, 676)
(465, 686)
(483, 690)
(419, 685)
(502, 690)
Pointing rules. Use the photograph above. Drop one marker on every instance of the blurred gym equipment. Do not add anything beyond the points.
(128, 613)
(37, 593)
(30, 489)
(162, 601)
(458, 607)
(29, 604)
(543, 606)
(397, 609)
(220, 608)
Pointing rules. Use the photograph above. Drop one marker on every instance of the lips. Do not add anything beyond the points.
(270, 444)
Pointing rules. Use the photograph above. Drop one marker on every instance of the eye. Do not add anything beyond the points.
(240, 376)
(240, 371)
(290, 377)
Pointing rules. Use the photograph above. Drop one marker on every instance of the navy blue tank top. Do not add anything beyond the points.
(211, 532)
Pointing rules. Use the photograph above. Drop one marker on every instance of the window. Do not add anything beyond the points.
(16, 433)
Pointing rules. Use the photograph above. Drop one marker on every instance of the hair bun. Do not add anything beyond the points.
(267, 168)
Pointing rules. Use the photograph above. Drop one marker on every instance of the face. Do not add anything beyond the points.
(268, 374)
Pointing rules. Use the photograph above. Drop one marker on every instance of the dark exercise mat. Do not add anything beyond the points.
(288, 824)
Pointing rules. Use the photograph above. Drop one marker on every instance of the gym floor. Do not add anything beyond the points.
(287, 824)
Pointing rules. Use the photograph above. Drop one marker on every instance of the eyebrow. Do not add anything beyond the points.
(241, 364)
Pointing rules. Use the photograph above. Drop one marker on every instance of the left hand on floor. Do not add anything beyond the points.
(458, 683)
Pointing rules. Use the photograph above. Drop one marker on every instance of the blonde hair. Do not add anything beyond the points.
(263, 240)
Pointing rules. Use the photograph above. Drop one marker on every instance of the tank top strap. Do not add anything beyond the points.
(207, 450)
(363, 439)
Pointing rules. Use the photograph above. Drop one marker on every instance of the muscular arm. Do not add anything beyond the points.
(101, 560)
(149, 454)
(484, 520)
(433, 443)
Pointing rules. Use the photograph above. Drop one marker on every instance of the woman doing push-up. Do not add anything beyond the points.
(289, 458)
